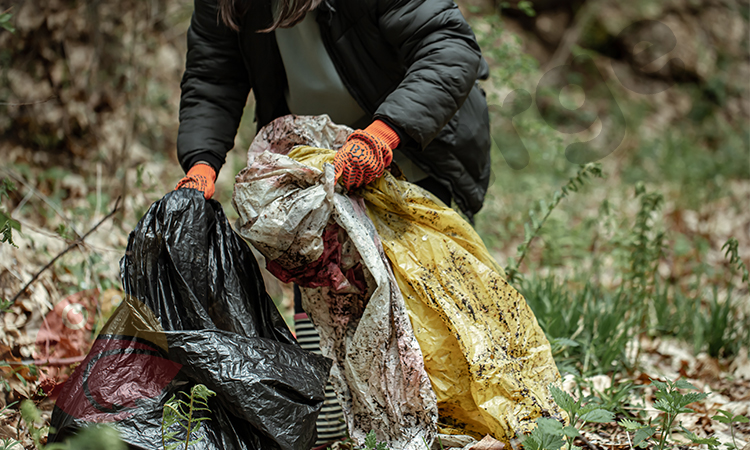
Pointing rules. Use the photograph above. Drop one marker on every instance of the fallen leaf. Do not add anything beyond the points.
(488, 443)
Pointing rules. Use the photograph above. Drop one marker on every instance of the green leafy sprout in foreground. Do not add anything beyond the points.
(183, 416)
(551, 434)
(671, 402)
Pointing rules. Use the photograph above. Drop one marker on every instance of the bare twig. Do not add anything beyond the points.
(587, 442)
(51, 97)
(70, 247)
(572, 35)
(44, 198)
(46, 362)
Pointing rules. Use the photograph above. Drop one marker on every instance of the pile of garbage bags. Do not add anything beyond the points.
(419, 330)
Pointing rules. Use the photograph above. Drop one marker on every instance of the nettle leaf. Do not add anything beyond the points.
(710, 441)
(564, 400)
(549, 426)
(723, 416)
(371, 440)
(546, 436)
(587, 408)
(683, 384)
(663, 405)
(643, 434)
(659, 385)
(598, 416)
(533, 441)
(740, 419)
(571, 431)
(692, 397)
(631, 425)
(551, 442)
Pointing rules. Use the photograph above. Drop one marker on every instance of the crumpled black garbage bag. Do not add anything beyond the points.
(196, 312)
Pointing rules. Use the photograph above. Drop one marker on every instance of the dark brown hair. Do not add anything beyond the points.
(288, 12)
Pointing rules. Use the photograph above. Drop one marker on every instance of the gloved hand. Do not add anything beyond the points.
(365, 155)
(201, 176)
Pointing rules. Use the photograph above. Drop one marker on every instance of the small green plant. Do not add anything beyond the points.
(524, 5)
(647, 245)
(92, 437)
(730, 419)
(711, 442)
(731, 252)
(33, 418)
(642, 432)
(550, 434)
(181, 416)
(8, 443)
(371, 442)
(577, 411)
(5, 305)
(7, 224)
(615, 397)
(5, 17)
(531, 229)
(671, 402)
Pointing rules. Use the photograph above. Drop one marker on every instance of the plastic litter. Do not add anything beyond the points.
(286, 209)
(196, 312)
(487, 359)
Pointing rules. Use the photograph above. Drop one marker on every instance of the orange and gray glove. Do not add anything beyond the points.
(201, 176)
(365, 155)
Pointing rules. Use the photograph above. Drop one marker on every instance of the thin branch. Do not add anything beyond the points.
(572, 35)
(51, 97)
(586, 441)
(44, 198)
(70, 247)
(46, 362)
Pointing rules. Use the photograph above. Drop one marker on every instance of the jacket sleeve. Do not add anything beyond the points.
(442, 60)
(215, 87)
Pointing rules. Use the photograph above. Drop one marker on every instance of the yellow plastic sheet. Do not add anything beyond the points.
(488, 360)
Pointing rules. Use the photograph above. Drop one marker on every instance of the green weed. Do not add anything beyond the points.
(183, 416)
(614, 398)
(93, 437)
(7, 224)
(589, 326)
(731, 252)
(5, 21)
(538, 216)
(550, 434)
(371, 442)
(730, 419)
(8, 443)
(671, 402)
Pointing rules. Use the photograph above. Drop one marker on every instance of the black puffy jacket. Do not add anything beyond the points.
(413, 62)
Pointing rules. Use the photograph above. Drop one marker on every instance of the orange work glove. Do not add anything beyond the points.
(201, 176)
(365, 155)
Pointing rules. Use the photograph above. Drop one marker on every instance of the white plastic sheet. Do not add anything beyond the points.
(284, 207)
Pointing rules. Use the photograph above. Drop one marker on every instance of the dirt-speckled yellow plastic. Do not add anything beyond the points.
(489, 362)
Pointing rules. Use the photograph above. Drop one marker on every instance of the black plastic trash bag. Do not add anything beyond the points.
(196, 311)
